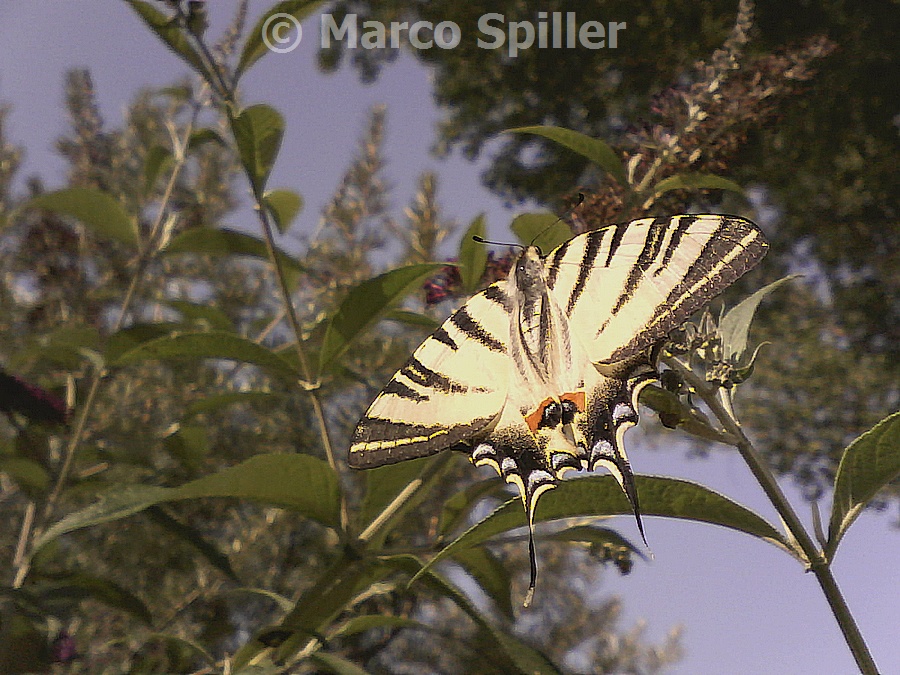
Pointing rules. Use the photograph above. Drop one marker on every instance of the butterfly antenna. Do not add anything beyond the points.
(482, 240)
(567, 213)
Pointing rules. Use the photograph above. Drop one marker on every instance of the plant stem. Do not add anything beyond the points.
(721, 407)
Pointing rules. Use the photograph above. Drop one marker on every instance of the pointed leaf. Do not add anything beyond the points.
(597, 151)
(181, 645)
(695, 181)
(255, 47)
(78, 586)
(365, 304)
(284, 206)
(102, 213)
(28, 474)
(601, 496)
(734, 328)
(283, 603)
(158, 159)
(412, 319)
(258, 131)
(361, 624)
(325, 600)
(869, 464)
(384, 483)
(473, 255)
(127, 339)
(544, 230)
(417, 486)
(201, 137)
(172, 35)
(459, 506)
(207, 315)
(521, 657)
(195, 538)
(490, 573)
(210, 345)
(210, 241)
(270, 479)
(331, 663)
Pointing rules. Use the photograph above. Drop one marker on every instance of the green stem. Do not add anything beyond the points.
(721, 407)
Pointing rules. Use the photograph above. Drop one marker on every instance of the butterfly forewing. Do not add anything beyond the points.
(453, 386)
(626, 287)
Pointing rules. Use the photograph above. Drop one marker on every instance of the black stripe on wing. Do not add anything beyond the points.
(377, 441)
(732, 250)
(591, 250)
(649, 252)
(417, 372)
(684, 224)
(470, 326)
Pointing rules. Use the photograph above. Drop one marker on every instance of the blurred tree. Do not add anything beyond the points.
(98, 596)
(806, 117)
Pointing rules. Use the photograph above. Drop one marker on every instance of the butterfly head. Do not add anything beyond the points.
(529, 269)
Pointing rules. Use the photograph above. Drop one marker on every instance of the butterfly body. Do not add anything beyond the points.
(540, 373)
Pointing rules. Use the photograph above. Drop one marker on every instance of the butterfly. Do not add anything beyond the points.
(540, 373)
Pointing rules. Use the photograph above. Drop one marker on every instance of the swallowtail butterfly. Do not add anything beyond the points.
(540, 373)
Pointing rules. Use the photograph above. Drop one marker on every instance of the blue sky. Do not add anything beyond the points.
(746, 607)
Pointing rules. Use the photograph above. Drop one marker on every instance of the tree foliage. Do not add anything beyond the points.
(800, 105)
(172, 444)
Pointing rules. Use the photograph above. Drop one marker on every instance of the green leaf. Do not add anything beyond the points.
(284, 205)
(77, 586)
(195, 538)
(210, 241)
(361, 624)
(170, 33)
(384, 484)
(270, 479)
(543, 230)
(336, 664)
(490, 573)
(734, 328)
(869, 464)
(181, 645)
(258, 131)
(255, 47)
(460, 505)
(66, 346)
(601, 496)
(473, 255)
(207, 316)
(283, 603)
(597, 151)
(331, 595)
(210, 345)
(695, 181)
(365, 304)
(157, 160)
(521, 657)
(102, 213)
(189, 444)
(27, 473)
(202, 137)
(412, 319)
(127, 339)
